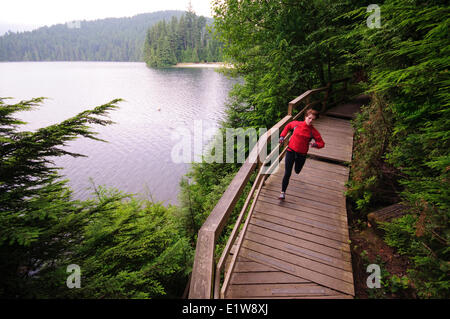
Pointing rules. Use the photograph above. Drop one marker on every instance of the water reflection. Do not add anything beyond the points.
(137, 157)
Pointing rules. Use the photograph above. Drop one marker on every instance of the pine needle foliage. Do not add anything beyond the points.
(407, 62)
(125, 247)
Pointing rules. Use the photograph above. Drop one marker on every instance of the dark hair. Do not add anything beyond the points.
(313, 112)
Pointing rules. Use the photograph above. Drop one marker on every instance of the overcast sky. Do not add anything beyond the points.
(49, 12)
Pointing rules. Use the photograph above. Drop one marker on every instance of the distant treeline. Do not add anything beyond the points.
(112, 39)
(187, 39)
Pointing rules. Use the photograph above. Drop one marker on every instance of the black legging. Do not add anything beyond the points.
(290, 158)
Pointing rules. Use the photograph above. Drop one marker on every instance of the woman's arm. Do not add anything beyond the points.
(287, 128)
(318, 141)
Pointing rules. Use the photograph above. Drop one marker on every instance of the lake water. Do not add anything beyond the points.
(137, 158)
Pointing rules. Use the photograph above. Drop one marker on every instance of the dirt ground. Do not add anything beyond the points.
(368, 247)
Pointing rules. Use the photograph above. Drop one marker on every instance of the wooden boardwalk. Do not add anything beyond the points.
(299, 247)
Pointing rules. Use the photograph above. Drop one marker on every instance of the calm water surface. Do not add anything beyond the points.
(137, 158)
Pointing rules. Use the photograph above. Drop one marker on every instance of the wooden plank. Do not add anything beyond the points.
(285, 226)
(343, 132)
(338, 296)
(333, 143)
(295, 266)
(232, 248)
(300, 98)
(311, 227)
(300, 198)
(267, 231)
(327, 167)
(387, 214)
(335, 139)
(345, 136)
(319, 178)
(331, 119)
(331, 126)
(332, 137)
(296, 189)
(341, 136)
(276, 180)
(286, 203)
(332, 197)
(219, 215)
(304, 252)
(321, 174)
(225, 285)
(330, 184)
(347, 110)
(338, 137)
(277, 290)
(271, 230)
(334, 220)
(332, 156)
(329, 251)
(309, 269)
(202, 270)
(304, 201)
(309, 182)
(334, 151)
(300, 217)
(251, 266)
(279, 277)
(311, 171)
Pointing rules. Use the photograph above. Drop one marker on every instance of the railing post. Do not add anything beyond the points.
(290, 108)
(203, 268)
(325, 99)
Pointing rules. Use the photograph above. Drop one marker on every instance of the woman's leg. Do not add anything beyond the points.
(289, 162)
(299, 162)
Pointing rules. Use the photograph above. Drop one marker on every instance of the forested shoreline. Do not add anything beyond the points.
(130, 248)
(188, 39)
(160, 39)
(112, 39)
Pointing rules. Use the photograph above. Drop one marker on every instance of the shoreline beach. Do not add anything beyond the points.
(203, 65)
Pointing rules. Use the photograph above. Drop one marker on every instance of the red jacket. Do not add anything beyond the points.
(301, 137)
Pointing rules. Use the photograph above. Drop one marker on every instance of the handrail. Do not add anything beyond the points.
(220, 265)
(204, 283)
(260, 180)
(304, 96)
(260, 183)
(203, 268)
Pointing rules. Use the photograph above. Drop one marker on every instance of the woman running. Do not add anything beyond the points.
(299, 144)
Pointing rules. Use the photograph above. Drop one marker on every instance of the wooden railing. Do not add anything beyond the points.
(205, 277)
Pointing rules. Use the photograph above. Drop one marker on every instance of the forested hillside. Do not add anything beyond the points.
(112, 39)
(187, 39)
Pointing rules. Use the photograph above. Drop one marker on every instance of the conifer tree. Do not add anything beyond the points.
(34, 201)
(189, 40)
